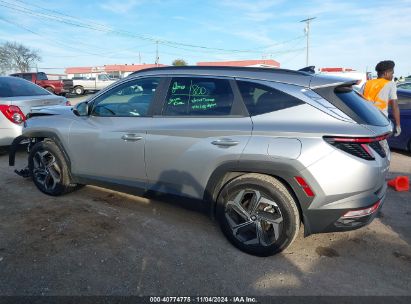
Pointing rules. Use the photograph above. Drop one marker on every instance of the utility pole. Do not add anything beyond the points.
(307, 32)
(157, 58)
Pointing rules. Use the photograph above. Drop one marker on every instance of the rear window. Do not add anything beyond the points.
(354, 105)
(14, 87)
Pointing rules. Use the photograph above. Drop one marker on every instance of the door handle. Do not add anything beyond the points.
(131, 137)
(225, 142)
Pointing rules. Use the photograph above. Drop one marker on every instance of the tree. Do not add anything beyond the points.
(179, 62)
(17, 57)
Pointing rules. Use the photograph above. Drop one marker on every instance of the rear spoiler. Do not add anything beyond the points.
(308, 69)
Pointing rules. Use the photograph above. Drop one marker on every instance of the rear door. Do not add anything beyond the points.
(201, 125)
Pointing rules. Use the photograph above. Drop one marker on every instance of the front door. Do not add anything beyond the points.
(109, 144)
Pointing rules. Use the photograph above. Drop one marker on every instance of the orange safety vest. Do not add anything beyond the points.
(372, 89)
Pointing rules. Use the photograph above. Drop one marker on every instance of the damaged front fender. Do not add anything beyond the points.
(12, 155)
(13, 148)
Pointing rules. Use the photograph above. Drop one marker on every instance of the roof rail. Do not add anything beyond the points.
(195, 67)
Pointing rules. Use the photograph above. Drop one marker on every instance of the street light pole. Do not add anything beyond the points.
(308, 37)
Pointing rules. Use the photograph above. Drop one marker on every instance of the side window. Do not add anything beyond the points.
(198, 97)
(102, 77)
(27, 77)
(406, 86)
(130, 99)
(404, 102)
(261, 99)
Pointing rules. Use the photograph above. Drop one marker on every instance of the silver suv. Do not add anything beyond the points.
(265, 150)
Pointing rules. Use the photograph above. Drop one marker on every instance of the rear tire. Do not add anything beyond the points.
(49, 169)
(258, 214)
(50, 89)
(79, 90)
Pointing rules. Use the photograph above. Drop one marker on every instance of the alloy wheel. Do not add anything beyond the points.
(254, 218)
(46, 171)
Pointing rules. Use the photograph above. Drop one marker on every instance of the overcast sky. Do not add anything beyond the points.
(352, 34)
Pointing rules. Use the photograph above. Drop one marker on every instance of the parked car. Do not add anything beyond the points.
(58, 87)
(404, 85)
(264, 149)
(17, 98)
(81, 86)
(403, 141)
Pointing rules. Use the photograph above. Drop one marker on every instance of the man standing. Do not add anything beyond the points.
(383, 91)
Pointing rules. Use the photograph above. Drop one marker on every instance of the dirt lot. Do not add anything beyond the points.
(100, 242)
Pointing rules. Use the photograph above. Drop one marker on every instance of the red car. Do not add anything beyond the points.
(58, 87)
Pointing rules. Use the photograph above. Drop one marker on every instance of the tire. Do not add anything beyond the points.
(49, 169)
(258, 215)
(79, 90)
(50, 89)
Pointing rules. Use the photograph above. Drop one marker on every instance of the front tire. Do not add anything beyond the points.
(49, 169)
(258, 214)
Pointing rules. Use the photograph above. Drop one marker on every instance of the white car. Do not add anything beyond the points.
(17, 98)
(81, 86)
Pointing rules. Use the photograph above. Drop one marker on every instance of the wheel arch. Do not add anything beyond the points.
(226, 172)
(39, 136)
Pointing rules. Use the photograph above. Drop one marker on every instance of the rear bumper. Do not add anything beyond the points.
(330, 219)
(8, 132)
(333, 220)
(343, 183)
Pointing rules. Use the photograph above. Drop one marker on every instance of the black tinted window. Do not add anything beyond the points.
(42, 76)
(13, 87)
(198, 96)
(404, 100)
(260, 99)
(130, 99)
(405, 86)
(367, 112)
(27, 77)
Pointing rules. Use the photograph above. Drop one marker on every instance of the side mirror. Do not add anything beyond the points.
(81, 109)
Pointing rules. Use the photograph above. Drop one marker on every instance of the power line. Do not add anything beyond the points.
(103, 28)
(65, 45)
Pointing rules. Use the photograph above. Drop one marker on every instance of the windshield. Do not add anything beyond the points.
(13, 87)
(42, 76)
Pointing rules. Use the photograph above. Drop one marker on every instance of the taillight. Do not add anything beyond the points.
(359, 146)
(362, 212)
(13, 113)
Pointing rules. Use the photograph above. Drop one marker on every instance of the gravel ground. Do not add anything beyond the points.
(100, 242)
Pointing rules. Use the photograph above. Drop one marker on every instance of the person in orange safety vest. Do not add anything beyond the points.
(382, 91)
